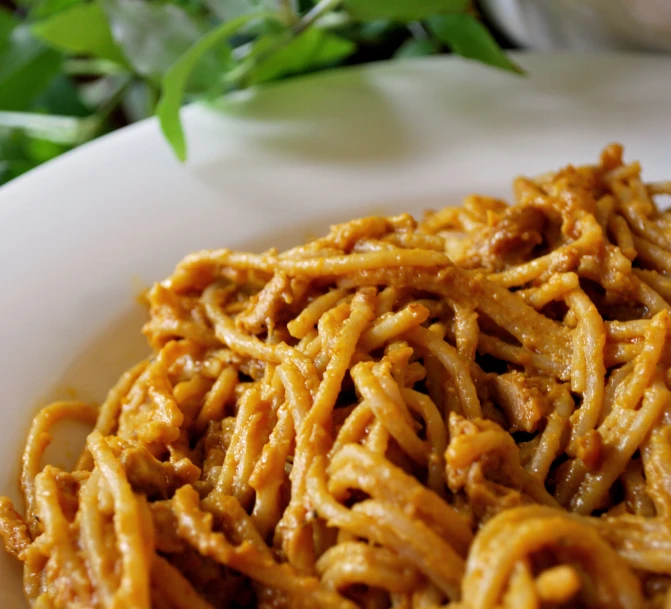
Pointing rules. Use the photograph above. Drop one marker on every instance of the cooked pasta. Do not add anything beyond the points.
(471, 411)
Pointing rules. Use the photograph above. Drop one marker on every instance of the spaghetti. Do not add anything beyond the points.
(472, 411)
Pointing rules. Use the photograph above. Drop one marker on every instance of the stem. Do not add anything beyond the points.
(88, 67)
(237, 76)
(240, 52)
(106, 109)
(417, 30)
(67, 130)
(289, 10)
(317, 11)
(332, 20)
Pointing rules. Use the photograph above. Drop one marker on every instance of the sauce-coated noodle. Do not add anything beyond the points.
(472, 411)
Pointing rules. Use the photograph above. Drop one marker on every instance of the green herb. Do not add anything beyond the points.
(466, 36)
(311, 49)
(152, 36)
(7, 25)
(416, 48)
(80, 29)
(403, 10)
(177, 79)
(71, 70)
(26, 68)
(39, 9)
(57, 129)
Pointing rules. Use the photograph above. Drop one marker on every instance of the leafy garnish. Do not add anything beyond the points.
(402, 10)
(57, 129)
(7, 25)
(416, 48)
(73, 69)
(172, 30)
(80, 29)
(39, 9)
(467, 37)
(177, 78)
(231, 9)
(307, 51)
(26, 68)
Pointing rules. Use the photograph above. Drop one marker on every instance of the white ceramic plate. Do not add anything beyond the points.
(81, 236)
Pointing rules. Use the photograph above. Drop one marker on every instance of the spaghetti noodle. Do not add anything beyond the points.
(472, 411)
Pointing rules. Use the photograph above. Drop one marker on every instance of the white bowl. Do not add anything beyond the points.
(79, 237)
(584, 24)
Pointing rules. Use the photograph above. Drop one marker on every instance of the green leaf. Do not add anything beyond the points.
(81, 29)
(176, 80)
(59, 129)
(266, 23)
(92, 67)
(7, 25)
(373, 31)
(333, 20)
(231, 9)
(26, 68)
(312, 49)
(41, 151)
(13, 168)
(402, 10)
(47, 8)
(191, 7)
(20, 153)
(152, 36)
(467, 37)
(11, 144)
(416, 48)
(60, 97)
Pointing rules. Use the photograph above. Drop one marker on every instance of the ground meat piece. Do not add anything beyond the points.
(522, 402)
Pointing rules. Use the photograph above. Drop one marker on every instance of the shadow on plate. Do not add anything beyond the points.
(317, 118)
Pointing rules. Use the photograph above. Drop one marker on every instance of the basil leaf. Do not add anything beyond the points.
(59, 129)
(60, 97)
(41, 151)
(26, 68)
(14, 157)
(20, 153)
(402, 10)
(152, 36)
(92, 66)
(7, 25)
(467, 37)
(230, 9)
(311, 49)
(372, 31)
(81, 29)
(176, 80)
(13, 168)
(47, 8)
(416, 48)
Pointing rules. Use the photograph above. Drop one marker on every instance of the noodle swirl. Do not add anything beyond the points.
(472, 412)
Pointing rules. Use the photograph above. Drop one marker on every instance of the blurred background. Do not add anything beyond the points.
(73, 70)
